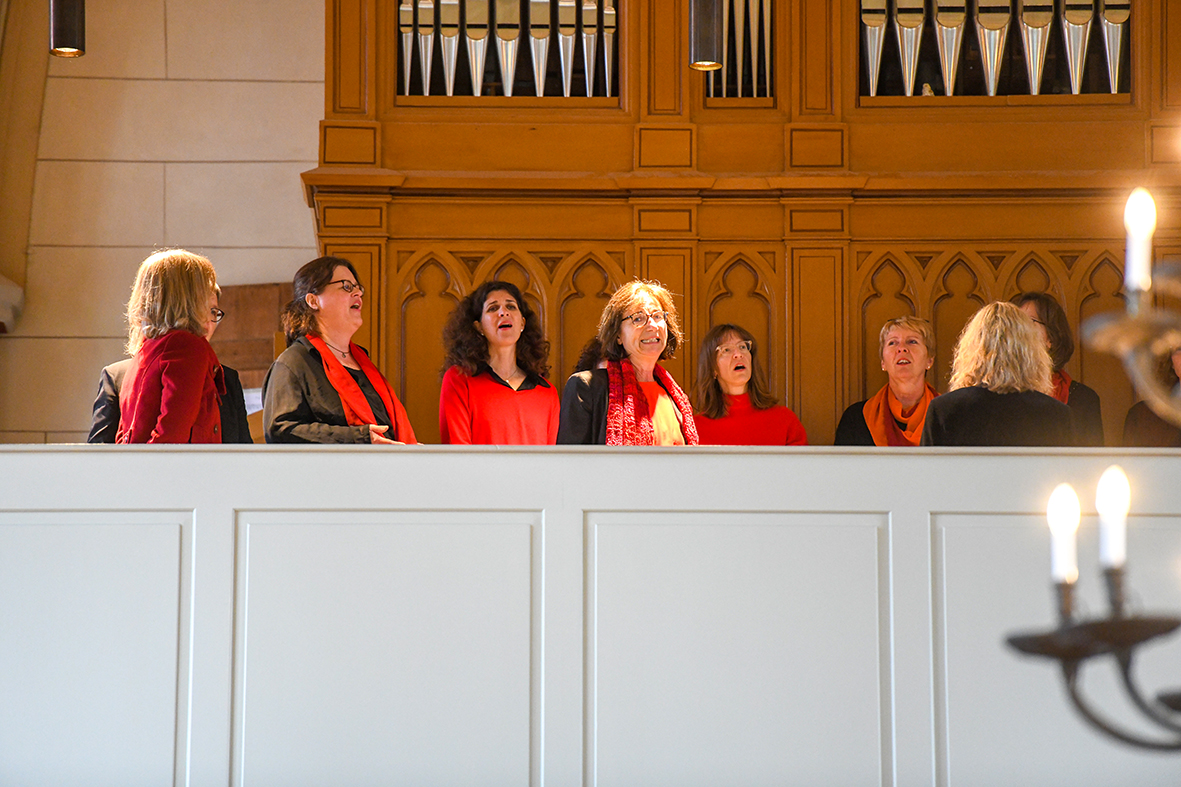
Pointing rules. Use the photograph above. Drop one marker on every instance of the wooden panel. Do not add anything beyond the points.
(1170, 67)
(664, 221)
(816, 64)
(1166, 145)
(348, 28)
(664, 147)
(671, 267)
(351, 144)
(816, 147)
(817, 376)
(352, 218)
(665, 64)
(817, 221)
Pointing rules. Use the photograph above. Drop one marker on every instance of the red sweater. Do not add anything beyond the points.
(485, 410)
(744, 425)
(172, 392)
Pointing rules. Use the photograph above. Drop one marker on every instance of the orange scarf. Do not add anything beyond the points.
(356, 407)
(1061, 382)
(883, 412)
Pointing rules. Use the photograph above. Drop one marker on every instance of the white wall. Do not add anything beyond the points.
(439, 615)
(185, 124)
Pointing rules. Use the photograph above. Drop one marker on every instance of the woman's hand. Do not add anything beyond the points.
(377, 435)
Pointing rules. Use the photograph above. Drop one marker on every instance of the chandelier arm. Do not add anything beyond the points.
(1140, 364)
(1070, 671)
(1149, 709)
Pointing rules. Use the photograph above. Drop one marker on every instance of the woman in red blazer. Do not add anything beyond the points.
(173, 388)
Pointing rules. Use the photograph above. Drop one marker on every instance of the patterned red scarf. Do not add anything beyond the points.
(356, 407)
(1061, 384)
(628, 419)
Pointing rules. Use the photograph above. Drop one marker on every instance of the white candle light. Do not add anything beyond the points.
(1063, 513)
(1140, 222)
(1113, 498)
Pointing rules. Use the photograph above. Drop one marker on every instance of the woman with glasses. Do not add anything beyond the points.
(1053, 329)
(895, 415)
(172, 388)
(633, 400)
(323, 388)
(232, 405)
(732, 403)
(494, 388)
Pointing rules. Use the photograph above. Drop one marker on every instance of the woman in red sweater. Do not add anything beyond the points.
(732, 403)
(172, 391)
(494, 388)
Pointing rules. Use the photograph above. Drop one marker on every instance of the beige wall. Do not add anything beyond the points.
(185, 124)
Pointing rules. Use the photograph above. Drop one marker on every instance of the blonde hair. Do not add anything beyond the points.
(908, 323)
(1001, 350)
(171, 292)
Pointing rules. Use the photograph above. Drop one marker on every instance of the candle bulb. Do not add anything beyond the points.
(1112, 500)
(1140, 222)
(1063, 513)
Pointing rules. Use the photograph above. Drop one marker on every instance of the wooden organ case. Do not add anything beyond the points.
(781, 193)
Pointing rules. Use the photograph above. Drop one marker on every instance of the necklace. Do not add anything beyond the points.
(343, 353)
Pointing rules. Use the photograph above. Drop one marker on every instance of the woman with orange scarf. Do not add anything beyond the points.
(323, 388)
(895, 414)
(633, 401)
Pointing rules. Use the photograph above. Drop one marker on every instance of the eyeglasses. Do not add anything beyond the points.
(640, 318)
(728, 350)
(348, 286)
(217, 314)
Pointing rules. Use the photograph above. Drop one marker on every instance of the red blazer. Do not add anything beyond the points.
(172, 391)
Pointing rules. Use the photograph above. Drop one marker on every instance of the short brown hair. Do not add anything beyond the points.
(909, 323)
(624, 301)
(298, 318)
(1053, 318)
(1000, 350)
(171, 292)
(708, 398)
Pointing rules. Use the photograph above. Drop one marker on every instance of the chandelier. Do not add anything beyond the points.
(1140, 336)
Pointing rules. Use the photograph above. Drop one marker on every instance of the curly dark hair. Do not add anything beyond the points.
(298, 318)
(1051, 315)
(626, 300)
(708, 397)
(466, 347)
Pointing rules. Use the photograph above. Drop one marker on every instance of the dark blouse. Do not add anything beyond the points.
(976, 416)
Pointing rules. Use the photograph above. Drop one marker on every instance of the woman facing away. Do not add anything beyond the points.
(895, 415)
(732, 403)
(633, 400)
(1000, 387)
(323, 388)
(495, 390)
(1053, 329)
(172, 389)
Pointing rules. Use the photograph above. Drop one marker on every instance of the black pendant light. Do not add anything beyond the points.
(67, 28)
(705, 35)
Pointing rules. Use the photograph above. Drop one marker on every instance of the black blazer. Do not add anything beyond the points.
(977, 416)
(583, 420)
(105, 422)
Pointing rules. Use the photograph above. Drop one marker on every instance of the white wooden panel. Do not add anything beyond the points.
(734, 648)
(1000, 701)
(385, 649)
(90, 621)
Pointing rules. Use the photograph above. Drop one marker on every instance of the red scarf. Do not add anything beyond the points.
(1061, 382)
(628, 419)
(356, 407)
(883, 412)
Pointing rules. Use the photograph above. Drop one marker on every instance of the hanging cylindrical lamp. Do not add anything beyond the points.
(67, 28)
(705, 40)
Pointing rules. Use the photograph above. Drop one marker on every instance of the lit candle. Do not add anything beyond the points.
(1063, 513)
(1113, 498)
(1140, 222)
